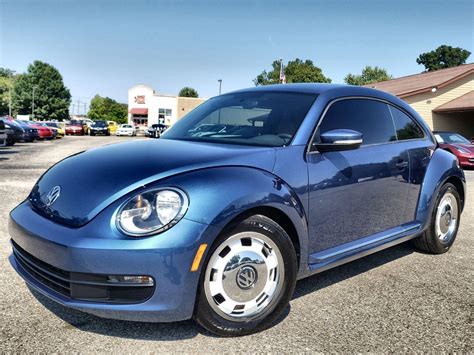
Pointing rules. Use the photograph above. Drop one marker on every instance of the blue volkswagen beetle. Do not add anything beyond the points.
(248, 193)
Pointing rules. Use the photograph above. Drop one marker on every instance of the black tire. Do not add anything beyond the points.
(215, 323)
(429, 241)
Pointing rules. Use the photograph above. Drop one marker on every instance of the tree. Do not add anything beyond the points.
(188, 92)
(369, 75)
(105, 108)
(443, 57)
(7, 79)
(51, 97)
(296, 71)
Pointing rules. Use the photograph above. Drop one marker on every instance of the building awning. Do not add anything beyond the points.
(139, 111)
(460, 104)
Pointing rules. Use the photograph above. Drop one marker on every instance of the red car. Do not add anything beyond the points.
(75, 127)
(44, 132)
(458, 145)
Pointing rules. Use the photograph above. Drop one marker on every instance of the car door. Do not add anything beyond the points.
(420, 148)
(360, 192)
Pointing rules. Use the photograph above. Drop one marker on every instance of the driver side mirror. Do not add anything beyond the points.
(338, 140)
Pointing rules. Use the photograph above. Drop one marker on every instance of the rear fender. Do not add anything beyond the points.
(443, 166)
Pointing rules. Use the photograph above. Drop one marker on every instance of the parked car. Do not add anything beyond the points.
(219, 228)
(99, 127)
(75, 127)
(54, 130)
(59, 127)
(126, 130)
(112, 126)
(44, 131)
(3, 134)
(460, 146)
(13, 131)
(30, 133)
(88, 122)
(155, 130)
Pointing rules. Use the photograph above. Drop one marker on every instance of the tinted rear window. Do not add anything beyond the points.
(405, 126)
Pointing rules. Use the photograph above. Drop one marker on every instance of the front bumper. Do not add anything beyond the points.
(466, 161)
(91, 249)
(99, 131)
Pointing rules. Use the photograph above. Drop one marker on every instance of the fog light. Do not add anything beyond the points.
(138, 280)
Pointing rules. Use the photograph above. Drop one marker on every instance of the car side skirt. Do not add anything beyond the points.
(329, 258)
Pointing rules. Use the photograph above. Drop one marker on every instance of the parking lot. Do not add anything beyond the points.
(396, 300)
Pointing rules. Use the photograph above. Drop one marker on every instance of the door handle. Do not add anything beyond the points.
(402, 164)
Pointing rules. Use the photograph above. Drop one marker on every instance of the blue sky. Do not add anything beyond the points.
(106, 46)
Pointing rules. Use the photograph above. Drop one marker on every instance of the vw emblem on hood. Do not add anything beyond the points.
(52, 195)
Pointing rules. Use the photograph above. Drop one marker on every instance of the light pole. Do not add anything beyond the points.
(220, 86)
(33, 104)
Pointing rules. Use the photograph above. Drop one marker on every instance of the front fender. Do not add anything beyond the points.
(443, 165)
(218, 195)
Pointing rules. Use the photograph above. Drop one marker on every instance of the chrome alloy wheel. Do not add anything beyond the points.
(446, 218)
(243, 276)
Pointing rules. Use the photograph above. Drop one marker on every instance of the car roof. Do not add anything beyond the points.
(331, 89)
(445, 132)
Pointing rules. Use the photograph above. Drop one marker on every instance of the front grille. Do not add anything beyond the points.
(48, 275)
(82, 286)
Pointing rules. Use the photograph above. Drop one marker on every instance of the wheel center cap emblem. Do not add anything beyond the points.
(52, 195)
(246, 277)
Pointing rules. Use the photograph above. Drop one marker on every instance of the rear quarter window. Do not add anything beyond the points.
(405, 126)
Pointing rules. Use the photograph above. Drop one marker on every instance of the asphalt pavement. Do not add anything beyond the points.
(392, 301)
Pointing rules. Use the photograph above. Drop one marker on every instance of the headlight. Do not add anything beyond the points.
(152, 211)
(462, 150)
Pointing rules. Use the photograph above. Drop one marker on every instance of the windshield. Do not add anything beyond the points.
(75, 123)
(99, 123)
(250, 118)
(451, 138)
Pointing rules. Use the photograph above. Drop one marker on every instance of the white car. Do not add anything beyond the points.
(126, 130)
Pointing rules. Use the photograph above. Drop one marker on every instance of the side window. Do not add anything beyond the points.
(369, 117)
(405, 126)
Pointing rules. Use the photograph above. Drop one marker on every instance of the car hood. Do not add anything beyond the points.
(469, 147)
(92, 180)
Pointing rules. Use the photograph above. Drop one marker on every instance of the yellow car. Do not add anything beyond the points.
(112, 126)
(58, 127)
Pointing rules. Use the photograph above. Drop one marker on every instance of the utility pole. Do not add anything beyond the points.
(33, 104)
(10, 103)
(220, 86)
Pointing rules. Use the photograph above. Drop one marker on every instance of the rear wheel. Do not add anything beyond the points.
(440, 235)
(248, 280)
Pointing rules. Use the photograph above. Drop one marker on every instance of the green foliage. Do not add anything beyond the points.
(296, 71)
(7, 79)
(369, 75)
(105, 108)
(443, 57)
(188, 92)
(51, 96)
(6, 73)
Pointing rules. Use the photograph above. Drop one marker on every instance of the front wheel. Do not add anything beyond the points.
(444, 224)
(248, 280)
